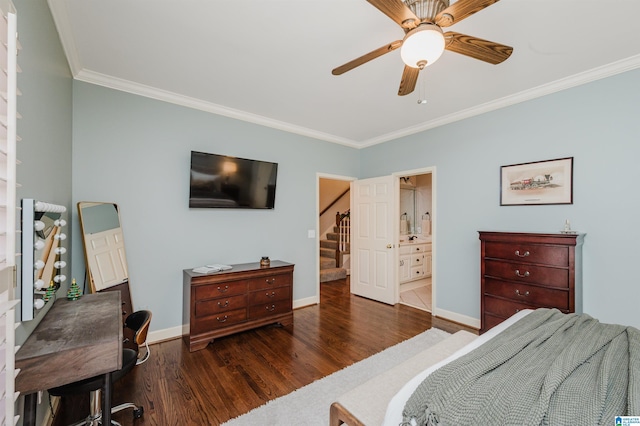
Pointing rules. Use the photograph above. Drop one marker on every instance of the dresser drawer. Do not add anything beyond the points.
(227, 289)
(528, 253)
(535, 295)
(221, 320)
(503, 308)
(220, 305)
(269, 295)
(271, 281)
(491, 321)
(271, 308)
(551, 277)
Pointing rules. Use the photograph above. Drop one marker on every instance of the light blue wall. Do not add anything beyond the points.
(135, 151)
(598, 125)
(44, 172)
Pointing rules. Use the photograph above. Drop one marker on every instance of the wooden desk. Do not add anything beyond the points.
(74, 341)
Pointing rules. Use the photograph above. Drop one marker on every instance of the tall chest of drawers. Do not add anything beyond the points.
(527, 271)
(245, 297)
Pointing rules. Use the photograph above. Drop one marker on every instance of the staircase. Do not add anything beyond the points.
(329, 271)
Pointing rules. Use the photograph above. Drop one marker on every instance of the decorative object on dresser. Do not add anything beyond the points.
(247, 296)
(528, 271)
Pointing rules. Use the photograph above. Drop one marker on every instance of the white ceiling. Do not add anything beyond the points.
(270, 61)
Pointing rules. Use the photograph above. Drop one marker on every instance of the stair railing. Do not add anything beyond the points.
(343, 226)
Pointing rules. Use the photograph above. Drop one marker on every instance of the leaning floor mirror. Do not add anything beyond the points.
(104, 252)
(103, 244)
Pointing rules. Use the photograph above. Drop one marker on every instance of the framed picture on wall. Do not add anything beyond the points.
(537, 183)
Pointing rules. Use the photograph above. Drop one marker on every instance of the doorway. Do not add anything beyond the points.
(416, 247)
(332, 235)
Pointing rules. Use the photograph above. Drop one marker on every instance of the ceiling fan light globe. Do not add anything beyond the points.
(422, 45)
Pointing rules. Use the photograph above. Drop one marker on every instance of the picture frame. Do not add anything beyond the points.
(537, 183)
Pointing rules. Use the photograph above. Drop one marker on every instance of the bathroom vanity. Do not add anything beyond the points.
(415, 260)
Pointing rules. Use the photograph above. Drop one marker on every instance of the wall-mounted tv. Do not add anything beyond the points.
(221, 181)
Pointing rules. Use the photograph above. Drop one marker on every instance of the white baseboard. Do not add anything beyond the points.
(179, 331)
(301, 303)
(166, 334)
(455, 317)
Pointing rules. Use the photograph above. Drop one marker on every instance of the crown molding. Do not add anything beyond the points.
(60, 16)
(598, 73)
(186, 101)
(543, 90)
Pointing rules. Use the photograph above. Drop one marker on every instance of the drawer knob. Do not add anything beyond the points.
(525, 254)
(272, 294)
(223, 290)
(526, 273)
(224, 319)
(221, 305)
(525, 294)
(270, 308)
(270, 280)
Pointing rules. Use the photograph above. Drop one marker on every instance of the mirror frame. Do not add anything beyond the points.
(109, 248)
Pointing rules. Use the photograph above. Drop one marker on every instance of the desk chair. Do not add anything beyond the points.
(139, 322)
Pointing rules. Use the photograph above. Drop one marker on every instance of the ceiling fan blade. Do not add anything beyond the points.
(477, 48)
(398, 11)
(409, 79)
(460, 10)
(367, 57)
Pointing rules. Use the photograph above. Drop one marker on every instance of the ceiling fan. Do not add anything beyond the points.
(424, 40)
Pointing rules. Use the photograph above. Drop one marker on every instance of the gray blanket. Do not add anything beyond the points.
(548, 368)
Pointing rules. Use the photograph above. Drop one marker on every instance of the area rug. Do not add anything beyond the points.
(310, 404)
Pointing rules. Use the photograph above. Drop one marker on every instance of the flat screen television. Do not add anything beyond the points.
(221, 181)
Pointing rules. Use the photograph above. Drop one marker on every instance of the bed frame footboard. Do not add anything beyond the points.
(339, 415)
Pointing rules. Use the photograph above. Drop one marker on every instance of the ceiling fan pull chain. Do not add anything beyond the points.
(422, 96)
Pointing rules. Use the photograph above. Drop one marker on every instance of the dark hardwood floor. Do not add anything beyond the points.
(237, 373)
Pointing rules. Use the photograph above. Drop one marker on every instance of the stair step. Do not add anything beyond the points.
(329, 244)
(332, 274)
(326, 252)
(332, 236)
(327, 263)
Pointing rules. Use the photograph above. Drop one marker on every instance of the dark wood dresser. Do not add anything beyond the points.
(527, 271)
(244, 297)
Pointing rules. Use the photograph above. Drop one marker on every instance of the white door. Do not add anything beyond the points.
(106, 258)
(373, 267)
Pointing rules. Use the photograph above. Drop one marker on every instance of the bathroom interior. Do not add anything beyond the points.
(416, 250)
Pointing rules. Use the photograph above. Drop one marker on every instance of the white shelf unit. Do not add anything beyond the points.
(8, 209)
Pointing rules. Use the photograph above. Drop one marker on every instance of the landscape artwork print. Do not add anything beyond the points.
(540, 182)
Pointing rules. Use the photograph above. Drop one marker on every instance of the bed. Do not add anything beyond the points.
(434, 385)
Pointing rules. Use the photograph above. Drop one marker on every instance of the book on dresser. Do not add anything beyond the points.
(528, 271)
(243, 297)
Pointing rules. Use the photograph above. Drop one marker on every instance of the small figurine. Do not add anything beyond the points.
(567, 228)
(74, 292)
(50, 293)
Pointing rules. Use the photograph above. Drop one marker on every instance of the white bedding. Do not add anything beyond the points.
(393, 415)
